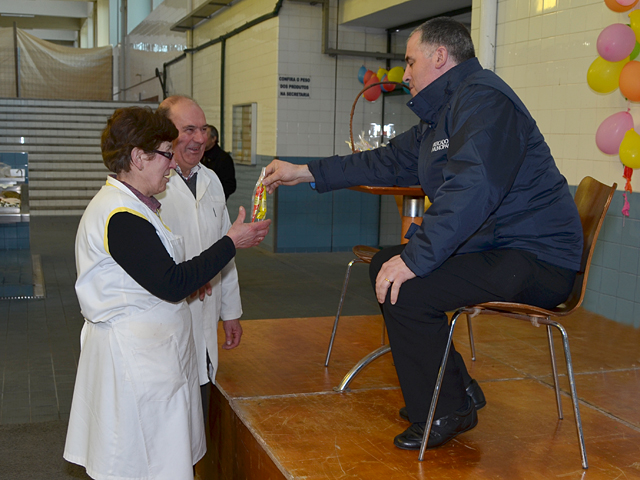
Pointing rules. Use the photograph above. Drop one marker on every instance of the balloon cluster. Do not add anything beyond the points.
(368, 77)
(618, 66)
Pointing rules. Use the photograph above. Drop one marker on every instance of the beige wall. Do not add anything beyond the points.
(353, 9)
(250, 70)
(102, 19)
(544, 49)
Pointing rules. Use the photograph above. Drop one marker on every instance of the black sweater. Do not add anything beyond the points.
(136, 247)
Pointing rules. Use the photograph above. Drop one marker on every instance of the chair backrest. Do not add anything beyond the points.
(592, 199)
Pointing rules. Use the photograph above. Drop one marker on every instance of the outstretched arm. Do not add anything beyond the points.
(284, 173)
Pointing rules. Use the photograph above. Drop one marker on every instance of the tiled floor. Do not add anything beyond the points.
(39, 339)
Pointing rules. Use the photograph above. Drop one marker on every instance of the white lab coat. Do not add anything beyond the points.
(136, 410)
(202, 221)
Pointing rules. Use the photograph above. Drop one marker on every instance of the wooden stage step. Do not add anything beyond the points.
(274, 414)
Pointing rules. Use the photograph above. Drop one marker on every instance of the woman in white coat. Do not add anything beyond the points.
(136, 411)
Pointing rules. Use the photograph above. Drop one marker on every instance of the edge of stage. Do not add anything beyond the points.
(274, 413)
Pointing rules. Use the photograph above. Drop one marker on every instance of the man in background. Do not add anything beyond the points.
(220, 162)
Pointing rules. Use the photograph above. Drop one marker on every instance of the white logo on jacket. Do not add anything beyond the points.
(440, 145)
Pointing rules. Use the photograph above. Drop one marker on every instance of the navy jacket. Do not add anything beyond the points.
(483, 163)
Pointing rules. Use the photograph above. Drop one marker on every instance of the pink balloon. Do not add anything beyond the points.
(611, 132)
(625, 3)
(616, 42)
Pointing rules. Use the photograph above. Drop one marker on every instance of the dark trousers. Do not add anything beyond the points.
(418, 325)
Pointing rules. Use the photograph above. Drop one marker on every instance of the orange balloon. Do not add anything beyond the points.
(616, 7)
(630, 81)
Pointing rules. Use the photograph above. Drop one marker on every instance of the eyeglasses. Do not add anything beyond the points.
(168, 155)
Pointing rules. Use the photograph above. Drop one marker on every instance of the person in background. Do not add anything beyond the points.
(194, 206)
(220, 162)
(136, 409)
(502, 225)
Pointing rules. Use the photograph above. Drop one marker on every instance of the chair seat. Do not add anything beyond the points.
(522, 309)
(365, 253)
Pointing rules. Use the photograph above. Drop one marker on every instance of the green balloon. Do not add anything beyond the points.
(635, 52)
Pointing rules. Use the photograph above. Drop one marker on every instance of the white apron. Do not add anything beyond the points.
(136, 411)
(202, 221)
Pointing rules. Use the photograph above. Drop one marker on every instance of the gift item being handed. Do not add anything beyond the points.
(259, 210)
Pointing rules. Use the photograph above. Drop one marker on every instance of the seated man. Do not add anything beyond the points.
(502, 225)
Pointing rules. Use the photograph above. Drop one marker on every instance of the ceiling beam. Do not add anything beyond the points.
(50, 23)
(46, 8)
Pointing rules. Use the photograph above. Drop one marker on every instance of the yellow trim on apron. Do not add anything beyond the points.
(106, 227)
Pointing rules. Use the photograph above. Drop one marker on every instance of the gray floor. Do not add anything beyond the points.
(39, 339)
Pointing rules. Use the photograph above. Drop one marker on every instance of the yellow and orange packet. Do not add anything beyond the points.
(259, 210)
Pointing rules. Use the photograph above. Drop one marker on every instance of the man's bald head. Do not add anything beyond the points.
(189, 119)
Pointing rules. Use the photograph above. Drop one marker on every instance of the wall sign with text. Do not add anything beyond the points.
(294, 87)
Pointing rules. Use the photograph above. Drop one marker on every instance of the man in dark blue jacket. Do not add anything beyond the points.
(502, 225)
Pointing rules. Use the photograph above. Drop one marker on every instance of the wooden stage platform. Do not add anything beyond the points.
(274, 414)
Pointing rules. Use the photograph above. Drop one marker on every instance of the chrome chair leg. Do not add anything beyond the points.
(436, 390)
(574, 393)
(471, 342)
(344, 384)
(335, 322)
(554, 369)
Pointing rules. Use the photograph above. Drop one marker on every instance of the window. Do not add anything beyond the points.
(245, 126)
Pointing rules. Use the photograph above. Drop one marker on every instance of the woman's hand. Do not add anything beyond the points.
(284, 173)
(247, 235)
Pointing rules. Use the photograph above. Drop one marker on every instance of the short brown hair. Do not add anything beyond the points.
(133, 127)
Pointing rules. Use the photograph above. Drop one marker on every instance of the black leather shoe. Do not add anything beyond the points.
(476, 394)
(473, 390)
(442, 430)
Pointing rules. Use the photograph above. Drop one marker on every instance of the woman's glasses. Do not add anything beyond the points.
(168, 155)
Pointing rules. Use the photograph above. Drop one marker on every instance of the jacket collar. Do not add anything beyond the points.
(202, 182)
(432, 98)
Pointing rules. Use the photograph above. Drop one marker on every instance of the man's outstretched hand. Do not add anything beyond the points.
(284, 173)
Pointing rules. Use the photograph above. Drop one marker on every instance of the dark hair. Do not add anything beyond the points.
(133, 127)
(449, 33)
(213, 131)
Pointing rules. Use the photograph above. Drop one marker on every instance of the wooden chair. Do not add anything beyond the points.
(592, 199)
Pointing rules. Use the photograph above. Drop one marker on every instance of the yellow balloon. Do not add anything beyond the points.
(603, 76)
(630, 149)
(381, 73)
(635, 23)
(396, 74)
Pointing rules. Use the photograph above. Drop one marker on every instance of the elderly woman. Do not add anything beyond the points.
(136, 411)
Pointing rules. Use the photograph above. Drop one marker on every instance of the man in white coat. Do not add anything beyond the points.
(194, 206)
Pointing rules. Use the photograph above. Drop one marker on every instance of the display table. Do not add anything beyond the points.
(22, 273)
